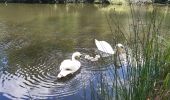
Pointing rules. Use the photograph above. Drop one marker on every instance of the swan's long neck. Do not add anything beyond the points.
(73, 57)
(96, 41)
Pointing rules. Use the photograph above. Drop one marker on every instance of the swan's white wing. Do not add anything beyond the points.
(69, 64)
(76, 65)
(65, 64)
(104, 47)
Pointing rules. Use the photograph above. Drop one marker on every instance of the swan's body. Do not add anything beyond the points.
(104, 47)
(119, 51)
(69, 66)
(107, 48)
(123, 56)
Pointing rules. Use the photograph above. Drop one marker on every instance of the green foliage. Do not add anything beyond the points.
(146, 76)
(166, 84)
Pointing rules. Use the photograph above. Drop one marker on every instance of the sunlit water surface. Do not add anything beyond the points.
(35, 38)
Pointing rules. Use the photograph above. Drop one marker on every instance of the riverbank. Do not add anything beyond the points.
(115, 2)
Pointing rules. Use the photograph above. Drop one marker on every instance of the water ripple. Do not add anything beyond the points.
(37, 78)
(39, 81)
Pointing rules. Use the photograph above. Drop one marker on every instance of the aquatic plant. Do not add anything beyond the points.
(148, 78)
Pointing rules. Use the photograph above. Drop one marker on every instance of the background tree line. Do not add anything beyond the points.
(52, 1)
(69, 1)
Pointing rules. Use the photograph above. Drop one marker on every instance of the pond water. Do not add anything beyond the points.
(35, 38)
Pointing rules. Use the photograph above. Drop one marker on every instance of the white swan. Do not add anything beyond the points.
(107, 48)
(121, 55)
(119, 51)
(104, 47)
(70, 66)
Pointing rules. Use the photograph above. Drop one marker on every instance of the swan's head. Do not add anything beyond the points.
(120, 48)
(120, 45)
(76, 55)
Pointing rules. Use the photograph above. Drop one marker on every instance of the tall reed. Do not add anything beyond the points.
(149, 77)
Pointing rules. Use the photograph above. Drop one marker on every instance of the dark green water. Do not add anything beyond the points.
(35, 38)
